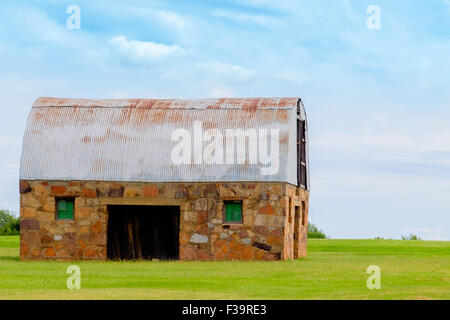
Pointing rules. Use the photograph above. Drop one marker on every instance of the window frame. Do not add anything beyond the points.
(57, 199)
(302, 171)
(224, 211)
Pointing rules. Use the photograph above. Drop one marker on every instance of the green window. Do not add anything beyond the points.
(64, 209)
(233, 212)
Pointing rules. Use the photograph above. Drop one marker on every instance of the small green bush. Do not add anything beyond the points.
(411, 237)
(9, 224)
(315, 233)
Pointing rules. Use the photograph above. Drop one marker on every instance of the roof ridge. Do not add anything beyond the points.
(202, 103)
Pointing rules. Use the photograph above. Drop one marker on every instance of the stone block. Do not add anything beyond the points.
(226, 192)
(188, 253)
(97, 238)
(102, 190)
(272, 256)
(88, 193)
(96, 226)
(73, 191)
(266, 209)
(211, 191)
(260, 220)
(23, 248)
(199, 238)
(262, 246)
(35, 252)
(223, 235)
(150, 191)
(201, 204)
(203, 255)
(83, 212)
(29, 224)
(89, 252)
(28, 200)
(32, 238)
(181, 193)
(63, 253)
(49, 204)
(45, 216)
(202, 217)
(24, 187)
(195, 191)
(27, 212)
(82, 243)
(249, 220)
(116, 191)
(49, 252)
(58, 190)
(247, 253)
(190, 216)
(132, 192)
(40, 190)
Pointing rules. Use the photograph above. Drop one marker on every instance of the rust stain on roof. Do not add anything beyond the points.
(130, 139)
(220, 103)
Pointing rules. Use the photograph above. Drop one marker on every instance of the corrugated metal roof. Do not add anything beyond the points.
(221, 103)
(130, 140)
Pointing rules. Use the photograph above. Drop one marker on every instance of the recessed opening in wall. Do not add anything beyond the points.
(297, 221)
(304, 213)
(290, 209)
(143, 232)
(232, 212)
(64, 208)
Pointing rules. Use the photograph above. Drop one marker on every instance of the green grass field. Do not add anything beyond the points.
(334, 269)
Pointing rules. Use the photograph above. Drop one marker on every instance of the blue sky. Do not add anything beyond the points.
(378, 101)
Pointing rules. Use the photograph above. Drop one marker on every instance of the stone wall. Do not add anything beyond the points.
(296, 228)
(267, 232)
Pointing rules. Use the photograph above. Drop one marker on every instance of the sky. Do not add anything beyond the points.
(375, 85)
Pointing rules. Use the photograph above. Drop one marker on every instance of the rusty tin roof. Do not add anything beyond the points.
(130, 139)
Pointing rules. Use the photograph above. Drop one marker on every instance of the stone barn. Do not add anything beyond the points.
(206, 179)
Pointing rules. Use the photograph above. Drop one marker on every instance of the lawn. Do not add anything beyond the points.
(334, 269)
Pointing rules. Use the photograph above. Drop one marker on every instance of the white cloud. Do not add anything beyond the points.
(169, 18)
(436, 142)
(379, 118)
(292, 77)
(142, 51)
(402, 189)
(383, 144)
(351, 141)
(244, 17)
(221, 92)
(37, 24)
(225, 71)
(172, 18)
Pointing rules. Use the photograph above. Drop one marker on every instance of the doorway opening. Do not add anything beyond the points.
(297, 218)
(143, 232)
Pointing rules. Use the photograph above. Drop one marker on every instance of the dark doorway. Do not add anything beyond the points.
(297, 230)
(143, 232)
